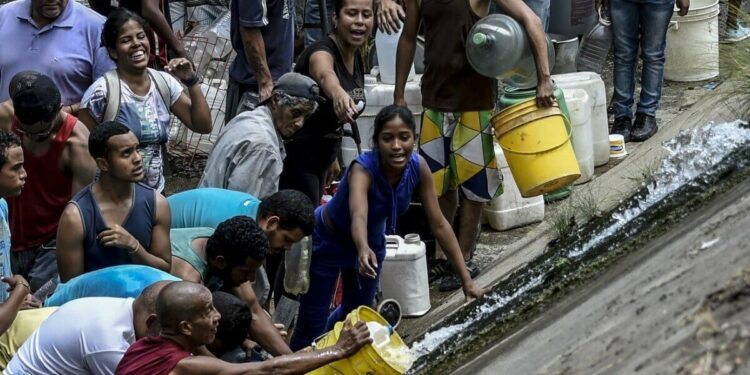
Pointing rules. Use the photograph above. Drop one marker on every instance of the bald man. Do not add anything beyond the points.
(189, 320)
(88, 335)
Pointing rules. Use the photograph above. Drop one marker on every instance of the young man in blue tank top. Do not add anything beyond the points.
(114, 220)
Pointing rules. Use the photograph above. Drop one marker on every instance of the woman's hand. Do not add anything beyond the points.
(368, 263)
(181, 68)
(344, 107)
(472, 291)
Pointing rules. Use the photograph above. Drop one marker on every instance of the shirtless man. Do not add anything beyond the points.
(58, 164)
(116, 220)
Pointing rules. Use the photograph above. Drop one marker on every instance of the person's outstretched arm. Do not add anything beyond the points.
(352, 339)
(19, 288)
(262, 329)
(359, 183)
(153, 13)
(443, 232)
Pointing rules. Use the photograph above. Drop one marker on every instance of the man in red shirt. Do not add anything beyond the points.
(189, 320)
(56, 157)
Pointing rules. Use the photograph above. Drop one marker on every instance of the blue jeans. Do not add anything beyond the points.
(637, 24)
(312, 16)
(330, 255)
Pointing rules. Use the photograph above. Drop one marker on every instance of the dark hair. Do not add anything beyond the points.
(101, 134)
(235, 320)
(294, 209)
(236, 239)
(114, 22)
(7, 140)
(389, 113)
(339, 4)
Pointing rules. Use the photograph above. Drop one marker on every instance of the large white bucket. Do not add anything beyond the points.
(594, 86)
(580, 106)
(693, 43)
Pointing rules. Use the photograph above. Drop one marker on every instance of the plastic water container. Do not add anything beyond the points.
(297, 265)
(595, 45)
(511, 210)
(386, 45)
(404, 275)
(693, 43)
(498, 47)
(571, 17)
(594, 86)
(379, 95)
(565, 55)
(580, 105)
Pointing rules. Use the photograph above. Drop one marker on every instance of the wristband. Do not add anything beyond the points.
(193, 80)
(137, 247)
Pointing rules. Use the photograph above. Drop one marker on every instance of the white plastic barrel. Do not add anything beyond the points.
(404, 275)
(511, 210)
(579, 107)
(386, 45)
(379, 95)
(693, 43)
(594, 86)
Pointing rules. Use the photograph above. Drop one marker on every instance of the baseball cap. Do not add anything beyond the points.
(295, 84)
(35, 97)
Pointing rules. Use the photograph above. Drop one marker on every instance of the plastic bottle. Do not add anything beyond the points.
(297, 264)
(386, 45)
(497, 47)
(380, 334)
(595, 44)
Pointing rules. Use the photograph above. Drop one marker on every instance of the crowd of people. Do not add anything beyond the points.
(134, 282)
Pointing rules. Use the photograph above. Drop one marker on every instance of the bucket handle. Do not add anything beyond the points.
(674, 24)
(539, 114)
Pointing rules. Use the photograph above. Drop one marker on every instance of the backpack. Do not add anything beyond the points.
(113, 101)
(113, 92)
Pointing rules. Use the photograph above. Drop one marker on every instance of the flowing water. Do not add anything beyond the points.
(694, 163)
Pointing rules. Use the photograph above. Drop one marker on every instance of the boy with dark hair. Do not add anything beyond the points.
(228, 258)
(115, 220)
(54, 148)
(233, 327)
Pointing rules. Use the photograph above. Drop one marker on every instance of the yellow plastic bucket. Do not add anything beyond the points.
(536, 144)
(368, 360)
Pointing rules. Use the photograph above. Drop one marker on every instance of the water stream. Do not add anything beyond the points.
(695, 161)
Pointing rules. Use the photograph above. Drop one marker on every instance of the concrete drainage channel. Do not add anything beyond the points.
(699, 165)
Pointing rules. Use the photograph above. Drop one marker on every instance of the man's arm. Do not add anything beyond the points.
(159, 254)
(153, 13)
(19, 289)
(407, 43)
(262, 329)
(252, 16)
(6, 115)
(70, 243)
(255, 55)
(352, 339)
(545, 95)
(79, 160)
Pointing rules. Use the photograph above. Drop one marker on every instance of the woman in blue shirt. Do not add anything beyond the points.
(349, 234)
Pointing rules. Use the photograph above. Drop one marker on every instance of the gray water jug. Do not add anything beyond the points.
(595, 45)
(571, 17)
(497, 47)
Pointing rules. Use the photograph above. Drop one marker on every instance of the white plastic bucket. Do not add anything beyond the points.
(594, 86)
(693, 43)
(579, 107)
(511, 210)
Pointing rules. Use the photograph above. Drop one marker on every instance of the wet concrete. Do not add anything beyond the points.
(678, 305)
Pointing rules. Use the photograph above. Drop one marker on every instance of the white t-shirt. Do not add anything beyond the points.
(84, 336)
(146, 116)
